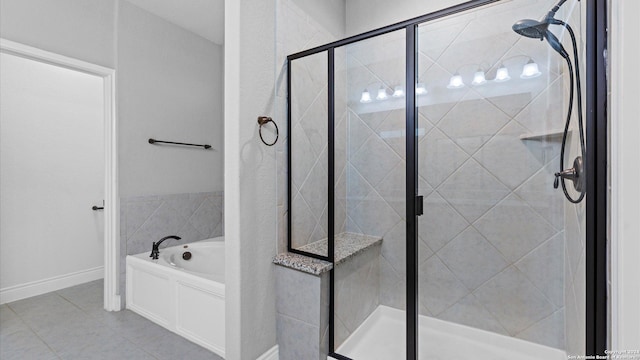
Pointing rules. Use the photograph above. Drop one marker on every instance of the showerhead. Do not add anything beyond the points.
(540, 29)
(531, 28)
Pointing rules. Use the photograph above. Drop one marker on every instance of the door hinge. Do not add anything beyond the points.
(419, 205)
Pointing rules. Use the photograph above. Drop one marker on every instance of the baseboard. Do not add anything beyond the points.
(34, 288)
(271, 354)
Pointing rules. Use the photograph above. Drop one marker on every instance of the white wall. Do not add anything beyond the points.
(251, 167)
(329, 14)
(169, 88)
(250, 179)
(81, 29)
(52, 172)
(169, 85)
(625, 174)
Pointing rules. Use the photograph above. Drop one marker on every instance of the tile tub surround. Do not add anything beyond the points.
(145, 219)
(303, 295)
(71, 324)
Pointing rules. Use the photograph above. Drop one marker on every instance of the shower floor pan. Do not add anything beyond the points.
(381, 337)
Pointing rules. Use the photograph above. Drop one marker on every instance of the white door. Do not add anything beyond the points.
(51, 174)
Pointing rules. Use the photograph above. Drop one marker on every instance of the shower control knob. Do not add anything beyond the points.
(574, 174)
(566, 174)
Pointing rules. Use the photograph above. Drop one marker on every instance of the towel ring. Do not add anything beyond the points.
(263, 120)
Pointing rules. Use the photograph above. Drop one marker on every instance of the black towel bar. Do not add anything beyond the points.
(154, 141)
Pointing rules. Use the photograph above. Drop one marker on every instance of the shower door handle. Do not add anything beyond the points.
(419, 205)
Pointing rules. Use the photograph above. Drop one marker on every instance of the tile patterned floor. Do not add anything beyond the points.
(71, 324)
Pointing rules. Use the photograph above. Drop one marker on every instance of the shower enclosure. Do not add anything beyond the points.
(422, 158)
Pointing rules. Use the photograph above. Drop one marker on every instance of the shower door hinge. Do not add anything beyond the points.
(419, 205)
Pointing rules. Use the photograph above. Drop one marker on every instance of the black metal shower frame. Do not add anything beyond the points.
(596, 336)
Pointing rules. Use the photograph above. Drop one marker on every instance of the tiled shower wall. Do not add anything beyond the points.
(309, 107)
(299, 30)
(145, 219)
(491, 239)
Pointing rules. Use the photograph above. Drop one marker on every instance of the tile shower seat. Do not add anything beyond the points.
(302, 300)
(347, 245)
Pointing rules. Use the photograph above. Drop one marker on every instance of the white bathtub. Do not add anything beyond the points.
(184, 296)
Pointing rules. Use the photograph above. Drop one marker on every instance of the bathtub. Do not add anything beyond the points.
(183, 296)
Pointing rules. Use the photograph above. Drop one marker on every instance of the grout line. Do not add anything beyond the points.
(316, 161)
(464, 28)
(306, 111)
(33, 331)
(468, 224)
(312, 214)
(371, 72)
(521, 186)
(481, 305)
(458, 280)
(377, 193)
(490, 312)
(91, 316)
(539, 321)
(101, 321)
(351, 152)
(57, 292)
(556, 307)
(535, 213)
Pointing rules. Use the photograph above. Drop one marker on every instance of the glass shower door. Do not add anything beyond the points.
(370, 167)
(500, 263)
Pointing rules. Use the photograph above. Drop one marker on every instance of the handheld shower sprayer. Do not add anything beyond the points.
(540, 29)
(535, 29)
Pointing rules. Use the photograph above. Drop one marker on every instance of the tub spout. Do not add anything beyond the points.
(155, 250)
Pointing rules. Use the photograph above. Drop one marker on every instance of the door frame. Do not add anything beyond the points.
(111, 208)
(624, 54)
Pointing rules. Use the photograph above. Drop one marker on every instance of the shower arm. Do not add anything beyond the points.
(552, 13)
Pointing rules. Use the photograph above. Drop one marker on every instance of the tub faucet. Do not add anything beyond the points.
(155, 251)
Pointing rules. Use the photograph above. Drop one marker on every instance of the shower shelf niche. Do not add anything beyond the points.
(543, 135)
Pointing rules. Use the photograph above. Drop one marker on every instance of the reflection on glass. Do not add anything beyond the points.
(370, 158)
(309, 159)
(504, 246)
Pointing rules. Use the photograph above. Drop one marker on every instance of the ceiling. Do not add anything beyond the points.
(203, 17)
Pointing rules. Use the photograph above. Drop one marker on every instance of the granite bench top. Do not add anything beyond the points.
(347, 245)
